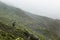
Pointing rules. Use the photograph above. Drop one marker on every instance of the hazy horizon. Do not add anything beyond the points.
(49, 8)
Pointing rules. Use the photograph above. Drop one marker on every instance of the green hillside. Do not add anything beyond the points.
(27, 26)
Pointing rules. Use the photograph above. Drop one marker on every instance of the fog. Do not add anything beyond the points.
(49, 8)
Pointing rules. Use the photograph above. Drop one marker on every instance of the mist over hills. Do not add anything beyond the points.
(43, 27)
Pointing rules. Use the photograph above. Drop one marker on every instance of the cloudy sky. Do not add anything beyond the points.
(49, 8)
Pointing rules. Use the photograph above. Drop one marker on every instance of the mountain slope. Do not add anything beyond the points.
(13, 33)
(43, 27)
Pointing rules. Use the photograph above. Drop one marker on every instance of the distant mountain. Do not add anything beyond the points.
(43, 27)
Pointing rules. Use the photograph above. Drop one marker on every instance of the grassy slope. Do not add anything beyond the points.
(13, 33)
(42, 27)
